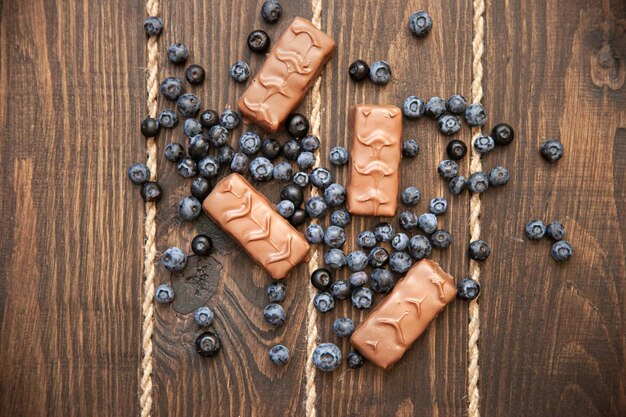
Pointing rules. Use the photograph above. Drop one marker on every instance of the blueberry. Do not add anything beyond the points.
(441, 239)
(411, 196)
(218, 136)
(285, 208)
(335, 195)
(282, 171)
(400, 262)
(327, 357)
(561, 251)
(321, 279)
(449, 124)
(378, 257)
(208, 344)
(420, 23)
(204, 316)
(419, 247)
(556, 230)
(168, 119)
(173, 259)
(189, 208)
(456, 104)
(150, 127)
(413, 107)
(261, 169)
(400, 242)
(306, 160)
(435, 107)
(408, 220)
(448, 169)
(240, 71)
(208, 167)
(138, 173)
(250, 143)
(355, 360)
(191, 128)
(298, 218)
(310, 143)
(229, 119)
(276, 292)
(301, 179)
(188, 105)
(358, 70)
(150, 191)
(164, 294)
(366, 239)
(201, 245)
(198, 147)
(467, 289)
(209, 118)
(258, 41)
(200, 188)
(314, 233)
(438, 206)
(535, 229)
(479, 250)
(380, 72)
(383, 232)
(195, 74)
(502, 134)
(484, 144)
(271, 11)
(475, 115)
(274, 314)
(153, 26)
(498, 176)
(477, 182)
(316, 207)
(343, 327)
(334, 237)
(292, 193)
(324, 302)
(358, 279)
(297, 125)
(239, 163)
(357, 261)
(335, 258)
(410, 148)
(340, 290)
(291, 150)
(381, 280)
(177, 53)
(279, 355)
(225, 154)
(270, 148)
(427, 222)
(362, 298)
(456, 150)
(172, 88)
(321, 177)
(340, 217)
(457, 185)
(338, 156)
(552, 150)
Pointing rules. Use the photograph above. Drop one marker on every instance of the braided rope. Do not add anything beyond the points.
(473, 371)
(152, 85)
(311, 391)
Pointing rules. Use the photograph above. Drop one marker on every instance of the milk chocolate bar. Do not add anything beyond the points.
(291, 68)
(249, 218)
(374, 160)
(403, 315)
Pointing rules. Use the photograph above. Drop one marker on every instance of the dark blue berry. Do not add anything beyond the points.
(310, 143)
(413, 107)
(200, 188)
(301, 179)
(298, 218)
(411, 196)
(279, 355)
(198, 147)
(355, 360)
(314, 233)
(380, 72)
(427, 222)
(456, 104)
(292, 193)
(378, 257)
(535, 229)
(258, 41)
(250, 143)
(561, 251)
(271, 11)
(138, 173)
(204, 316)
(335, 195)
(400, 242)
(335, 258)
(274, 314)
(556, 230)
(282, 171)
(478, 182)
(321, 177)
(362, 298)
(448, 169)
(270, 148)
(410, 148)
(438, 206)
(306, 160)
(150, 191)
(316, 207)
(173, 259)
(172, 88)
(276, 292)
(285, 208)
(435, 107)
(484, 144)
(218, 136)
(240, 71)
(150, 127)
(502, 134)
(229, 119)
(340, 290)
(449, 124)
(321, 279)
(383, 232)
(358, 70)
(334, 236)
(366, 239)
(467, 289)
(324, 302)
(358, 279)
(188, 105)
(343, 327)
(357, 261)
(208, 167)
(225, 154)
(153, 26)
(168, 119)
(208, 344)
(338, 156)
(340, 217)
(408, 220)
(327, 357)
(479, 250)
(441, 239)
(261, 169)
(419, 247)
(381, 280)
(239, 163)
(297, 125)
(209, 118)
(195, 74)
(201, 245)
(457, 185)
(552, 150)
(191, 128)
(291, 149)
(400, 262)
(420, 23)
(475, 115)
(498, 176)
(456, 150)
(177, 53)
(164, 294)
(189, 208)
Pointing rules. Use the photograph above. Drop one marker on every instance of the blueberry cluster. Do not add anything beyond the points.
(562, 250)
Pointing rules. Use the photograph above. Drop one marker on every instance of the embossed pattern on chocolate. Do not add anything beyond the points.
(249, 218)
(291, 68)
(374, 160)
(393, 326)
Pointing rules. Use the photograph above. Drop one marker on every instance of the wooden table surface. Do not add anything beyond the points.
(72, 95)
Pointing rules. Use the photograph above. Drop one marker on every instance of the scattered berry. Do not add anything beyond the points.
(456, 150)
(475, 115)
(358, 70)
(274, 314)
(198, 147)
(413, 107)
(153, 26)
(448, 169)
(358, 279)
(240, 71)
(535, 229)
(200, 188)
(168, 119)
(298, 218)
(335, 258)
(340, 217)
(188, 105)
(321, 279)
(327, 357)
(187, 168)
(408, 220)
(208, 344)
(229, 119)
(449, 124)
(400, 262)
(164, 294)
(225, 154)
(340, 290)
(427, 222)
(316, 207)
(239, 163)
(174, 259)
(138, 173)
(306, 160)
(270, 148)
(410, 148)
(208, 167)
(204, 316)
(479, 250)
(276, 292)
(285, 208)
(420, 23)
(400, 242)
(502, 134)
(150, 127)
(258, 41)
(419, 247)
(261, 169)
(297, 125)
(355, 360)
(301, 179)
(366, 239)
(321, 177)
(271, 11)
(468, 289)
(478, 182)
(383, 232)
(279, 355)
(552, 150)
(343, 327)
(456, 104)
(362, 298)
(457, 185)
(282, 171)
(195, 74)
(324, 302)
(411, 196)
(338, 156)
(435, 107)
(150, 191)
(335, 236)
(556, 230)
(484, 144)
(189, 208)
(310, 143)
(172, 88)
(209, 118)
(561, 251)
(357, 261)
(201, 245)
(378, 257)
(250, 143)
(335, 195)
(314, 233)
(441, 239)
(380, 72)
(292, 193)
(438, 206)
(291, 149)
(498, 176)
(191, 128)
(177, 53)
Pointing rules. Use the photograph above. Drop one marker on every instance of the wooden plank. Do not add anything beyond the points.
(553, 341)
(72, 95)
